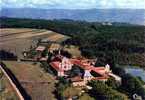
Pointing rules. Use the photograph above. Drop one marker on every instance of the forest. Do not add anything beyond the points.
(121, 43)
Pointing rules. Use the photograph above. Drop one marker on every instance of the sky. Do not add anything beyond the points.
(73, 4)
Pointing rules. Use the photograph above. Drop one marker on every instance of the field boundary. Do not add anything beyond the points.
(13, 83)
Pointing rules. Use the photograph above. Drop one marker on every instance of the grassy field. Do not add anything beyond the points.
(17, 40)
(7, 92)
(74, 50)
(38, 84)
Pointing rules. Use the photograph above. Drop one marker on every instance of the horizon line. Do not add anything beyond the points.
(69, 8)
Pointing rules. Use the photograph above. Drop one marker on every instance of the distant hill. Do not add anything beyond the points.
(133, 16)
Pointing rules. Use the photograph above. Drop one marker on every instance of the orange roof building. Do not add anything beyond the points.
(65, 64)
(62, 66)
(56, 67)
(40, 48)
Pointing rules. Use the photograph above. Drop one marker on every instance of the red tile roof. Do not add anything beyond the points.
(40, 48)
(82, 65)
(100, 78)
(43, 59)
(87, 66)
(55, 65)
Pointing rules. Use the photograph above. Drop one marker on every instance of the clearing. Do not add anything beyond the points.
(74, 50)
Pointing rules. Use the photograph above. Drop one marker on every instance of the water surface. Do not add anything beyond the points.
(139, 72)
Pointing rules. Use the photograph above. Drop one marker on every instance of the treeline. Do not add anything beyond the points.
(120, 42)
(6, 55)
(101, 91)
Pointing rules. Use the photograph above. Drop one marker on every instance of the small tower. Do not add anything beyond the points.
(107, 68)
(59, 52)
(87, 76)
(66, 64)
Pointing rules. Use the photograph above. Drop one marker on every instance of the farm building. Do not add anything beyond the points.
(39, 51)
(40, 48)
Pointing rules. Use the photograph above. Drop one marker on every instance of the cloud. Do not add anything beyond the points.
(74, 4)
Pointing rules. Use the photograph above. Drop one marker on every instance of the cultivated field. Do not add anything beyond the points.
(6, 90)
(38, 84)
(17, 40)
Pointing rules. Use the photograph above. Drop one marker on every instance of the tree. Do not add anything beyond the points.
(133, 85)
(7, 55)
(32, 53)
(71, 92)
(102, 91)
(119, 71)
(63, 80)
(85, 96)
(61, 86)
(112, 83)
(66, 54)
(44, 53)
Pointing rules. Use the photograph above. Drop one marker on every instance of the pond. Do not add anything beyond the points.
(136, 71)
